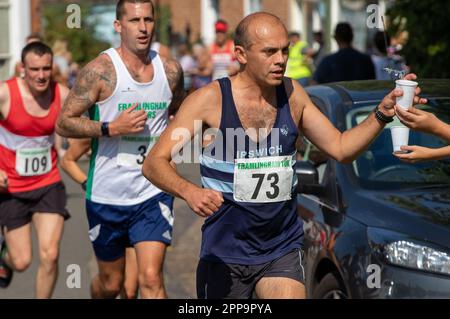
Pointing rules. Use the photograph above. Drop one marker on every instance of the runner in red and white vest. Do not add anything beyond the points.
(31, 190)
(222, 53)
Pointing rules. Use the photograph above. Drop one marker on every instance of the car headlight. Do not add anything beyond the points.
(411, 255)
(402, 250)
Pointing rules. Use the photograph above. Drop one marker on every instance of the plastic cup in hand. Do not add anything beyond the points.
(400, 137)
(408, 88)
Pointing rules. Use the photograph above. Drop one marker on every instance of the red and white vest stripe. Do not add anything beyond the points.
(27, 152)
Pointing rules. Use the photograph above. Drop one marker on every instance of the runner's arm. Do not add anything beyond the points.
(3, 100)
(157, 166)
(4, 94)
(200, 106)
(97, 77)
(64, 91)
(81, 98)
(3, 181)
(77, 148)
(347, 146)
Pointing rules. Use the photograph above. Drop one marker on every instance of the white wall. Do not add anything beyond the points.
(251, 6)
(334, 20)
(19, 28)
(296, 17)
(209, 17)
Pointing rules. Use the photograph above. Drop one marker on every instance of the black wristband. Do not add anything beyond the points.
(83, 185)
(381, 117)
(105, 129)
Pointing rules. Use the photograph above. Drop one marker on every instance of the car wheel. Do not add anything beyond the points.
(330, 287)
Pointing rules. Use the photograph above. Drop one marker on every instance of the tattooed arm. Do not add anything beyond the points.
(97, 76)
(174, 74)
(96, 82)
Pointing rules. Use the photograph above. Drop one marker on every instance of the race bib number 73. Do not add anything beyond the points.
(33, 161)
(263, 180)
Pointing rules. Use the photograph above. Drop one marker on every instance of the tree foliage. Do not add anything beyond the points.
(83, 45)
(427, 22)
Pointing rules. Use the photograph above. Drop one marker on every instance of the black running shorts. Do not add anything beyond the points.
(16, 210)
(232, 281)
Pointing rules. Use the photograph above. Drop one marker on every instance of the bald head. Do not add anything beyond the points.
(254, 27)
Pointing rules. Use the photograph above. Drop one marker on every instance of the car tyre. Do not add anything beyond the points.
(330, 287)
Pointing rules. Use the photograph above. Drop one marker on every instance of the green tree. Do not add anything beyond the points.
(162, 27)
(428, 47)
(83, 45)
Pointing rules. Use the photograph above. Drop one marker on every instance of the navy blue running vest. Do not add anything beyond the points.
(242, 232)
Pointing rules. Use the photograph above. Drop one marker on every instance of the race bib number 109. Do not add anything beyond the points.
(33, 162)
(263, 180)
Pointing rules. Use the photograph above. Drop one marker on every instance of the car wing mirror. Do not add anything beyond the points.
(308, 179)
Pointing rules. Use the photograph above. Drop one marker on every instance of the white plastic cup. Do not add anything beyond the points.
(408, 88)
(400, 137)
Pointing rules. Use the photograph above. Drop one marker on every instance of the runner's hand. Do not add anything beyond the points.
(417, 98)
(204, 202)
(3, 180)
(129, 122)
(387, 105)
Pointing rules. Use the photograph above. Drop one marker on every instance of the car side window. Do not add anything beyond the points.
(309, 152)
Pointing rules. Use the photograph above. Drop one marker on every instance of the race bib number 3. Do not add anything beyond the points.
(263, 180)
(134, 149)
(33, 161)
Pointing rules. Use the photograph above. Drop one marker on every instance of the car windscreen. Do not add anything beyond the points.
(377, 166)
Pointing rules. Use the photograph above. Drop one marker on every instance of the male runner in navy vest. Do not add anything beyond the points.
(252, 238)
(128, 92)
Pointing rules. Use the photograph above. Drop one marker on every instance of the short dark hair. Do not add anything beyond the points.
(241, 37)
(38, 48)
(120, 7)
(343, 32)
(294, 34)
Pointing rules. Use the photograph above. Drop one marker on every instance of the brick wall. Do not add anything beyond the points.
(279, 8)
(232, 11)
(185, 12)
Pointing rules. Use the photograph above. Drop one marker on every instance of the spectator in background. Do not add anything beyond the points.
(187, 62)
(379, 58)
(73, 73)
(222, 53)
(298, 65)
(202, 73)
(318, 48)
(347, 64)
(396, 45)
(62, 59)
(382, 60)
(161, 49)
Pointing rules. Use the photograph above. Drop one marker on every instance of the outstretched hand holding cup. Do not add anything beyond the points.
(407, 94)
(410, 90)
(400, 137)
(408, 87)
(387, 106)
